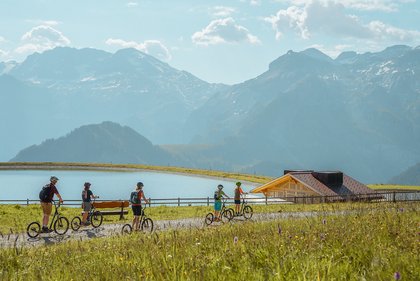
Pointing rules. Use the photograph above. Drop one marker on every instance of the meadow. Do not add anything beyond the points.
(373, 242)
(15, 218)
(396, 187)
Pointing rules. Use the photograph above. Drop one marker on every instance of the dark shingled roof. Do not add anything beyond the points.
(349, 186)
(354, 186)
(313, 183)
(316, 182)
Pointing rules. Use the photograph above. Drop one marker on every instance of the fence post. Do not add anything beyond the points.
(393, 197)
(150, 202)
(208, 201)
(266, 199)
(27, 202)
(122, 210)
(179, 201)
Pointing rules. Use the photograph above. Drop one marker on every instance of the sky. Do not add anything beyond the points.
(227, 41)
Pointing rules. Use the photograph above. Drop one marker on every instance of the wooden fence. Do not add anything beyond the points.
(391, 196)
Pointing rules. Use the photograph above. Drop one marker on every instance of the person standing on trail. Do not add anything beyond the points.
(237, 198)
(46, 196)
(218, 195)
(135, 199)
(87, 196)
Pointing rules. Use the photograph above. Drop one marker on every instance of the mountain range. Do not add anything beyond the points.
(411, 176)
(358, 113)
(75, 87)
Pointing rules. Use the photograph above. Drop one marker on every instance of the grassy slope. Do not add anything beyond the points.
(396, 187)
(15, 218)
(359, 246)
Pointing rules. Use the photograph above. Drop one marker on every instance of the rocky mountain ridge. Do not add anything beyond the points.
(358, 112)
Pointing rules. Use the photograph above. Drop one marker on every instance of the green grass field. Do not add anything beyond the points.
(374, 241)
(372, 244)
(15, 218)
(393, 187)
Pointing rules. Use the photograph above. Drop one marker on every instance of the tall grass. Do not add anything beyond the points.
(393, 187)
(15, 218)
(371, 245)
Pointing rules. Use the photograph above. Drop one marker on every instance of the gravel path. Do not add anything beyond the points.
(22, 240)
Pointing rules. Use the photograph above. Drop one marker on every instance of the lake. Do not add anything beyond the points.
(26, 184)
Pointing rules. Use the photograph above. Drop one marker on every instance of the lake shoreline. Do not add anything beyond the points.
(115, 168)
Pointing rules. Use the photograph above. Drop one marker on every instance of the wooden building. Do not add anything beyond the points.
(310, 183)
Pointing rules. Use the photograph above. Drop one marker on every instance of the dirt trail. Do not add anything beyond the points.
(22, 240)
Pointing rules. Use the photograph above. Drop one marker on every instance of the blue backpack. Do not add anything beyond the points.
(134, 198)
(217, 195)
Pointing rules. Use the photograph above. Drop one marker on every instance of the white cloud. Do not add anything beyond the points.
(374, 5)
(223, 31)
(152, 47)
(29, 49)
(255, 2)
(43, 22)
(132, 4)
(3, 54)
(388, 32)
(223, 11)
(364, 5)
(122, 43)
(51, 22)
(156, 49)
(334, 51)
(293, 18)
(332, 19)
(43, 33)
(41, 38)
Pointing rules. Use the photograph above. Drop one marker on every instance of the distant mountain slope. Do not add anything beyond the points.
(409, 177)
(358, 113)
(23, 107)
(105, 142)
(7, 66)
(128, 87)
(51, 93)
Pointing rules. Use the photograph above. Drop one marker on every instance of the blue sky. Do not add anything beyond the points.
(219, 41)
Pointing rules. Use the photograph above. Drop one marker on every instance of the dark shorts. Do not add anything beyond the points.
(87, 206)
(238, 201)
(136, 210)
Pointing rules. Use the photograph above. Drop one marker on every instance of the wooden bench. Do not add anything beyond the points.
(112, 204)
